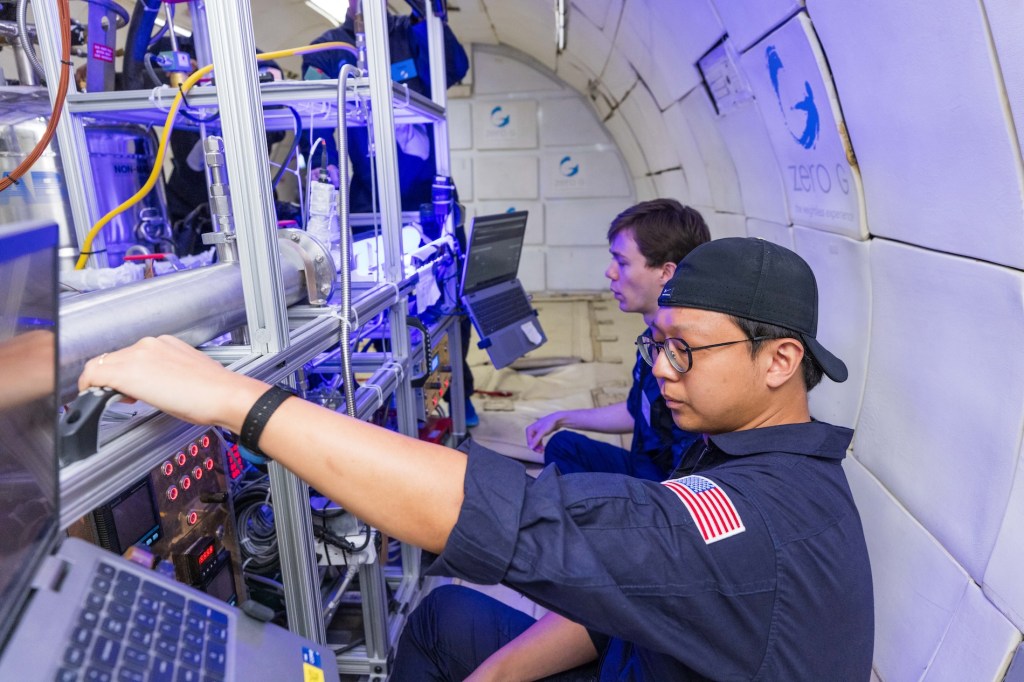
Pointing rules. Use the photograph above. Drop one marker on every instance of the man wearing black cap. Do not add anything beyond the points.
(748, 563)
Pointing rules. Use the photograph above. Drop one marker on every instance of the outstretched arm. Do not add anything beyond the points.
(608, 419)
(551, 645)
(410, 489)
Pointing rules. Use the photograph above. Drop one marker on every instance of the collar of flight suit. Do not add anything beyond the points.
(814, 439)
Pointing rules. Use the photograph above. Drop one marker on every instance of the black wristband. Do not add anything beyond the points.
(259, 415)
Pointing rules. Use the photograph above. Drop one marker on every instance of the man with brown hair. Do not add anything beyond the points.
(750, 563)
(646, 242)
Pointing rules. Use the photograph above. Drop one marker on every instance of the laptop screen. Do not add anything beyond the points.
(495, 244)
(29, 515)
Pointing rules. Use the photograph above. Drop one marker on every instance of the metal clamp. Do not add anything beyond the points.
(317, 263)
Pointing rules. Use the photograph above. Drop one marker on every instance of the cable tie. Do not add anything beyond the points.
(91, 253)
(380, 393)
(66, 63)
(183, 98)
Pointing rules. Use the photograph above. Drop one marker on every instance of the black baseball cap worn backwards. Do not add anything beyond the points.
(757, 280)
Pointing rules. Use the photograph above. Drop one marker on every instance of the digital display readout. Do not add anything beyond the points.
(206, 555)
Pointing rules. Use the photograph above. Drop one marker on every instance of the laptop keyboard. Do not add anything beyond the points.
(132, 630)
(500, 310)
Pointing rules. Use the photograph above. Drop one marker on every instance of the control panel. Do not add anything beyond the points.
(178, 519)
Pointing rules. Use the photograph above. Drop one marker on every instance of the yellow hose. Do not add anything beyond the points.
(83, 258)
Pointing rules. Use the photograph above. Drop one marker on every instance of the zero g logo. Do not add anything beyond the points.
(567, 168)
(796, 102)
(499, 119)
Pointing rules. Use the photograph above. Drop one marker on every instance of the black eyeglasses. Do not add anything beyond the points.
(680, 354)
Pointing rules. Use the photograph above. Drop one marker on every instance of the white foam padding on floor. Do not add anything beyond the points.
(790, 79)
(943, 405)
(978, 645)
(1003, 583)
(664, 41)
(917, 585)
(746, 22)
(757, 169)
(718, 166)
(564, 388)
(569, 121)
(924, 107)
(842, 268)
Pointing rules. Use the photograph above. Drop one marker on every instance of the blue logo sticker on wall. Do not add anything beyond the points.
(511, 209)
(567, 167)
(497, 120)
(805, 132)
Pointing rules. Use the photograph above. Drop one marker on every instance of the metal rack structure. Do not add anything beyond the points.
(280, 339)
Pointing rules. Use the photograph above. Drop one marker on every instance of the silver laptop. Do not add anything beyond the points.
(70, 610)
(507, 324)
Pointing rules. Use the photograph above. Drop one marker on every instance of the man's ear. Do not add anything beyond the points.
(667, 270)
(783, 357)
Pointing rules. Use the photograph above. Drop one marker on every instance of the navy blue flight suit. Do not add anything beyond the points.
(657, 447)
(751, 565)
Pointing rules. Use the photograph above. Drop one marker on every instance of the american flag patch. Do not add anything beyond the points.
(710, 507)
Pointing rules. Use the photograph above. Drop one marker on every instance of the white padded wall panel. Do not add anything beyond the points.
(532, 268)
(773, 232)
(505, 177)
(601, 12)
(800, 112)
(534, 223)
(757, 170)
(663, 41)
(672, 184)
(718, 165)
(569, 121)
(842, 268)
(462, 175)
(626, 141)
(574, 72)
(581, 174)
(582, 221)
(577, 268)
(527, 25)
(505, 124)
(460, 124)
(500, 74)
(924, 109)
(1002, 583)
(943, 403)
(618, 77)
(978, 644)
(641, 113)
(587, 43)
(917, 585)
(684, 144)
(645, 188)
(1005, 18)
(725, 224)
(747, 22)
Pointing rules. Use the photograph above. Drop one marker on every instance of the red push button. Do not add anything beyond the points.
(185, 482)
(181, 459)
(172, 493)
(167, 468)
